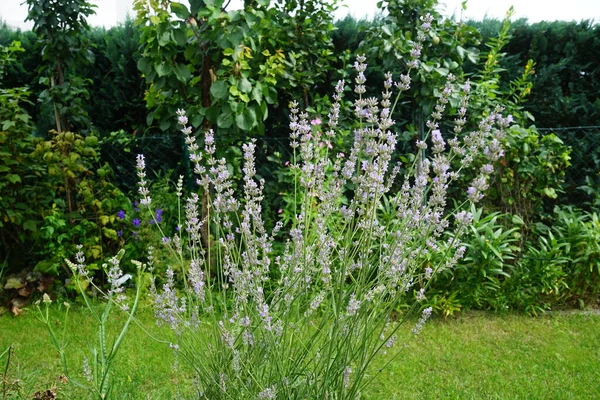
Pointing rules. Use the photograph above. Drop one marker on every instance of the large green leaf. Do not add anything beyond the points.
(213, 113)
(164, 39)
(180, 10)
(164, 124)
(195, 5)
(30, 225)
(180, 36)
(246, 120)
(245, 85)
(163, 69)
(182, 73)
(13, 178)
(225, 120)
(196, 120)
(219, 90)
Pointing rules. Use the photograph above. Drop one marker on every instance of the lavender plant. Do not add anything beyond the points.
(309, 322)
(97, 369)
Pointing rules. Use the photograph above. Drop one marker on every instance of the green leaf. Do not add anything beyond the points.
(251, 20)
(245, 85)
(164, 124)
(180, 36)
(12, 178)
(196, 120)
(265, 111)
(110, 233)
(270, 95)
(234, 91)
(150, 118)
(246, 120)
(164, 39)
(219, 90)
(89, 56)
(6, 125)
(30, 225)
(195, 5)
(225, 120)
(550, 192)
(257, 94)
(213, 113)
(182, 73)
(442, 71)
(47, 267)
(473, 55)
(180, 10)
(163, 69)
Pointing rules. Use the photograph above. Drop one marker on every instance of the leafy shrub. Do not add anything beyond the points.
(480, 279)
(19, 200)
(85, 203)
(531, 174)
(539, 280)
(580, 233)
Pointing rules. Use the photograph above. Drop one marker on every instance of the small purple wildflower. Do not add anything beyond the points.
(121, 214)
(136, 222)
(159, 213)
(119, 233)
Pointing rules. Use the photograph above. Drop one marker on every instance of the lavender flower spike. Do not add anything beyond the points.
(143, 185)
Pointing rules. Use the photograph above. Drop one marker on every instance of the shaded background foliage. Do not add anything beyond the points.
(566, 80)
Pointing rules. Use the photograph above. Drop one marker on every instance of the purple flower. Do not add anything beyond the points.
(159, 215)
(135, 206)
(136, 222)
(119, 233)
(121, 214)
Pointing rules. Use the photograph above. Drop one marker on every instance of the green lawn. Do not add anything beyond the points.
(476, 356)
